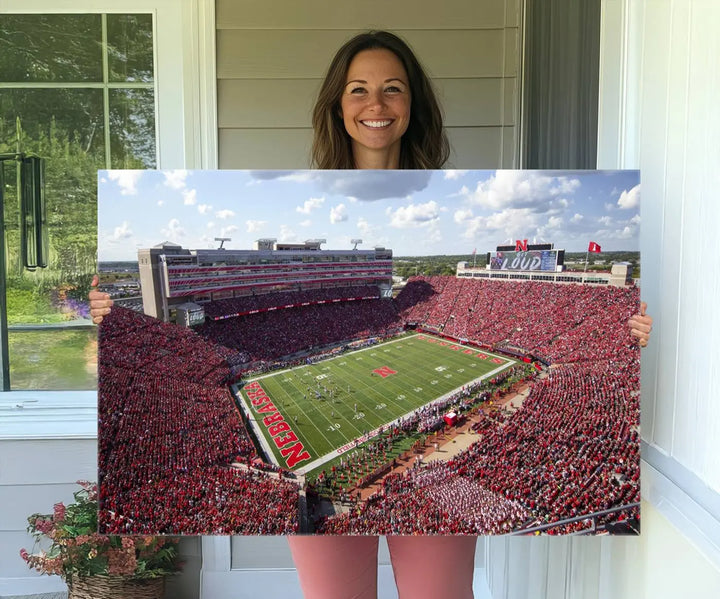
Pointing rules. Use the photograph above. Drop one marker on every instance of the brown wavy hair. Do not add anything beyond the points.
(424, 145)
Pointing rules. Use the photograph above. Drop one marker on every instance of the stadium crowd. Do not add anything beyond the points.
(273, 334)
(169, 428)
(225, 308)
(167, 434)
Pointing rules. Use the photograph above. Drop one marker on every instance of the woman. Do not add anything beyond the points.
(377, 110)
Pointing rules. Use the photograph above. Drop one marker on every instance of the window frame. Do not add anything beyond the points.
(186, 131)
(186, 137)
(674, 489)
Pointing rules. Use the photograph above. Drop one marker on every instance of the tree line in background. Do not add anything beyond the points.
(67, 127)
(408, 266)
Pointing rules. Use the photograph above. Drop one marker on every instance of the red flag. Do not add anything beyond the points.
(474, 251)
(594, 248)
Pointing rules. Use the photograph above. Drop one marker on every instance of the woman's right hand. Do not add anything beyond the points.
(100, 302)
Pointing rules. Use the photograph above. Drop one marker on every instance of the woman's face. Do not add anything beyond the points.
(375, 104)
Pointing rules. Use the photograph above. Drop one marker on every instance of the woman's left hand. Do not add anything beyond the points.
(641, 325)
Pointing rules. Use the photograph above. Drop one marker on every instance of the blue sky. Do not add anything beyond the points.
(411, 212)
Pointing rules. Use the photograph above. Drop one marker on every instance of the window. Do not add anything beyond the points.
(102, 84)
(77, 90)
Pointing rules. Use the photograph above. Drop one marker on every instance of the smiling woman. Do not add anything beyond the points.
(375, 107)
(377, 100)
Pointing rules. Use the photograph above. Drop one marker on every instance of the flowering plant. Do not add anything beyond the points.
(76, 549)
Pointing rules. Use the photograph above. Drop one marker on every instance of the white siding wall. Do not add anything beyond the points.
(271, 58)
(40, 461)
(658, 112)
(51, 442)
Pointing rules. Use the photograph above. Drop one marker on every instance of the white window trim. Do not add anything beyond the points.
(673, 489)
(186, 129)
(27, 415)
(187, 138)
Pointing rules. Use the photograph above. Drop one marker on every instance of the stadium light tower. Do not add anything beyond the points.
(222, 240)
(355, 242)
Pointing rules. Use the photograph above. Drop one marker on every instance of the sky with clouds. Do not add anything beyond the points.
(414, 213)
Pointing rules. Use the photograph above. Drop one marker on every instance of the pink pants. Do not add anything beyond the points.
(346, 567)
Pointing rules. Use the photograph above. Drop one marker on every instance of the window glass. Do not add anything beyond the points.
(132, 128)
(78, 91)
(130, 48)
(45, 48)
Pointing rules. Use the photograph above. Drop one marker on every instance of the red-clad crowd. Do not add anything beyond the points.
(554, 321)
(169, 428)
(573, 446)
(167, 434)
(571, 449)
(269, 335)
(430, 500)
(140, 343)
(263, 301)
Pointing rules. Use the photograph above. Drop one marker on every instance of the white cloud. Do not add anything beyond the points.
(522, 189)
(224, 214)
(433, 236)
(370, 185)
(189, 197)
(175, 179)
(305, 223)
(338, 214)
(287, 234)
(577, 218)
(253, 226)
(366, 185)
(173, 230)
(635, 219)
(229, 230)
(204, 208)
(363, 225)
(453, 174)
(462, 215)
(414, 215)
(512, 223)
(296, 176)
(160, 202)
(629, 199)
(606, 220)
(121, 232)
(126, 180)
(627, 233)
(310, 205)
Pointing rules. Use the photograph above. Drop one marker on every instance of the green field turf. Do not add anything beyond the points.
(302, 432)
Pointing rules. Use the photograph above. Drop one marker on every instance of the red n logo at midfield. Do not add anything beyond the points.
(384, 371)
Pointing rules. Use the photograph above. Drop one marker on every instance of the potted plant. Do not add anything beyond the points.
(96, 566)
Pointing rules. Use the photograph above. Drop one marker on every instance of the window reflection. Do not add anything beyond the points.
(77, 90)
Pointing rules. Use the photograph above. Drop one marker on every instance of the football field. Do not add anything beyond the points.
(309, 414)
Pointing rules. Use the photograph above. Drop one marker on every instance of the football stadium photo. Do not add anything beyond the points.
(369, 352)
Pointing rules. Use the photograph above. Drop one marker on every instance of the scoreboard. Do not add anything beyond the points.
(531, 260)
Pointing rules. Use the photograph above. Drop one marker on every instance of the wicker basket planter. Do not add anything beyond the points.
(116, 587)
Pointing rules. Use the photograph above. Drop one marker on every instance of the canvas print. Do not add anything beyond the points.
(369, 352)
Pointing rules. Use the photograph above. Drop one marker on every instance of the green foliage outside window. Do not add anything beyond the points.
(78, 91)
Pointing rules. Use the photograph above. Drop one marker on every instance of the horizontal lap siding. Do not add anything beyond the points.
(271, 59)
(400, 14)
(34, 475)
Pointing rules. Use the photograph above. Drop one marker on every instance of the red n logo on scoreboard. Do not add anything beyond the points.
(521, 246)
(384, 371)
